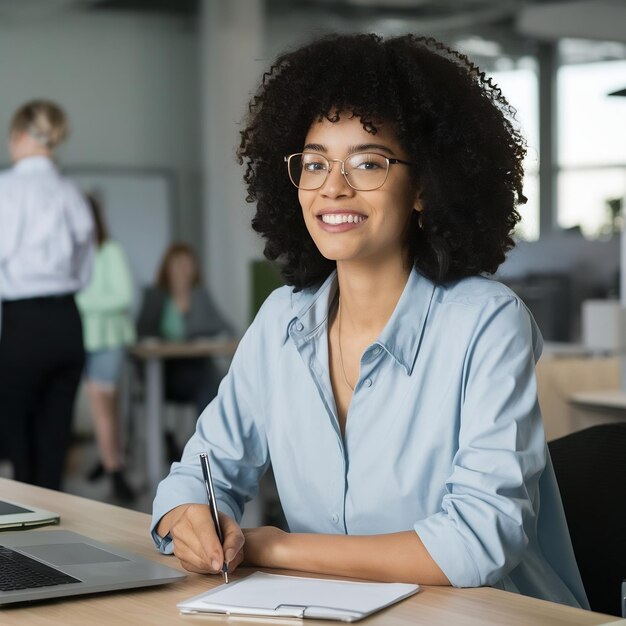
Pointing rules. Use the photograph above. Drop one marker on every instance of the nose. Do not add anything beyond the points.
(335, 184)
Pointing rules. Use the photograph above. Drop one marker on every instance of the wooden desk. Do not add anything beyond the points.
(157, 605)
(560, 379)
(153, 352)
(606, 399)
(590, 408)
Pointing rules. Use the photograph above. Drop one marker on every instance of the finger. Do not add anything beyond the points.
(208, 542)
(190, 567)
(233, 537)
(236, 561)
(189, 557)
(189, 547)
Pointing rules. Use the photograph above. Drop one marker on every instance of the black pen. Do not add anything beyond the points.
(210, 494)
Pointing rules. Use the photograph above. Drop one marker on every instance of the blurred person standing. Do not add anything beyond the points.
(107, 330)
(46, 254)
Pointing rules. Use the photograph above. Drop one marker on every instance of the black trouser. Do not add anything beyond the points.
(41, 360)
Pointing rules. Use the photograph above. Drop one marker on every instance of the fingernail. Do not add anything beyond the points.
(230, 555)
(216, 565)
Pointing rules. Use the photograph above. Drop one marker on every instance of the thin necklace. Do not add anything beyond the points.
(343, 369)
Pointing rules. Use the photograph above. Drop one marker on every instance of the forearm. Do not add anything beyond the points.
(397, 557)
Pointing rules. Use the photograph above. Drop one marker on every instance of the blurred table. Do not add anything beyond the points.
(153, 606)
(608, 399)
(153, 352)
(590, 408)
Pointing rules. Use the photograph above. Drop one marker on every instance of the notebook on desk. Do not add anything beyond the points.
(46, 564)
(271, 595)
(16, 515)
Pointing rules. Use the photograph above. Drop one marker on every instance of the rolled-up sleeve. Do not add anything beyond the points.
(230, 430)
(491, 498)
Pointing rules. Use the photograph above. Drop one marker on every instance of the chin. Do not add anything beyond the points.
(337, 255)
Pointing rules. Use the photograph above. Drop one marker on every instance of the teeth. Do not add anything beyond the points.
(342, 218)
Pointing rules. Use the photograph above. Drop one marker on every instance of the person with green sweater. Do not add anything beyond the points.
(108, 329)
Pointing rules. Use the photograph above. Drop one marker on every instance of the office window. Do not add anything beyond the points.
(519, 85)
(591, 173)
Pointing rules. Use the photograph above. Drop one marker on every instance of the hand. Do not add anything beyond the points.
(265, 546)
(196, 543)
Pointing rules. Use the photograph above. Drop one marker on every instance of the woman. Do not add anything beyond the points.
(46, 251)
(108, 330)
(179, 308)
(392, 386)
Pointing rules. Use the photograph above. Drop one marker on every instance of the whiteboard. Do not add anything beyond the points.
(138, 207)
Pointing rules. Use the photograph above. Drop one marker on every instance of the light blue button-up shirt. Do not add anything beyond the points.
(444, 434)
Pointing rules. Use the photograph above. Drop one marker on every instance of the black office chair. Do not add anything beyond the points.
(590, 467)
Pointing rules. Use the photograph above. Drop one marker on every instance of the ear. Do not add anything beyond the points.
(417, 201)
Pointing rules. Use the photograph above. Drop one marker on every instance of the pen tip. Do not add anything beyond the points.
(226, 577)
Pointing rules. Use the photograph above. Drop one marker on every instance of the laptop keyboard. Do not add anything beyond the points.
(18, 571)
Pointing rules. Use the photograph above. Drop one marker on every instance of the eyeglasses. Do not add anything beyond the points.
(363, 171)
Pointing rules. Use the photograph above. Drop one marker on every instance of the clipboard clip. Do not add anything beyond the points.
(291, 610)
(317, 612)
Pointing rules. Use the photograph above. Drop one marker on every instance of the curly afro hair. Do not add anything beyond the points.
(452, 121)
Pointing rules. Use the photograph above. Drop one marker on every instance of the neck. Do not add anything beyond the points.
(180, 293)
(369, 294)
(43, 152)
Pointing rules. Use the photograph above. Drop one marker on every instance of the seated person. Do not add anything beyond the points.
(390, 384)
(179, 308)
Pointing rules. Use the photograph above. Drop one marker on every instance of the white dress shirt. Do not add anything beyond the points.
(46, 232)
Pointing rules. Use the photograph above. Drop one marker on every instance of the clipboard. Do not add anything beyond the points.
(274, 595)
(15, 515)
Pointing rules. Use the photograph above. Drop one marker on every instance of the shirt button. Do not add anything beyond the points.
(367, 382)
(335, 518)
(299, 326)
(376, 351)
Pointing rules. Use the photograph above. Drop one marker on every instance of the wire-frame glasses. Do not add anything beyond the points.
(363, 171)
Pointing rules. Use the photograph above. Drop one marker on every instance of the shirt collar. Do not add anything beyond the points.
(34, 164)
(402, 334)
(312, 309)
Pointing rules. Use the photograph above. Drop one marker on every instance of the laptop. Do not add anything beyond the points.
(59, 563)
(16, 515)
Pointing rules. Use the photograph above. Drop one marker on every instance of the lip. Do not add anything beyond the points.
(339, 228)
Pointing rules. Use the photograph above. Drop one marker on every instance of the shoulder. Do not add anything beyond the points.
(112, 249)
(286, 300)
(113, 253)
(279, 303)
(201, 300)
(71, 189)
(481, 297)
(7, 180)
(489, 310)
(200, 292)
(153, 296)
(278, 310)
(476, 291)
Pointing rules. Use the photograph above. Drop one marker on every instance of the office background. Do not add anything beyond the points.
(157, 85)
(155, 91)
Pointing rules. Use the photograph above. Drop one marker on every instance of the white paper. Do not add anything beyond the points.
(272, 594)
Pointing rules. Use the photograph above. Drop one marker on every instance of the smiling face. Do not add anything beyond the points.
(349, 225)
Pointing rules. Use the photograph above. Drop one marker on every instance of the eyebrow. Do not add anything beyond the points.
(363, 147)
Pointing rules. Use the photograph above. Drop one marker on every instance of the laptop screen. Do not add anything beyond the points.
(6, 508)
